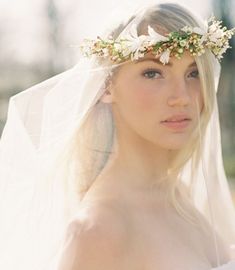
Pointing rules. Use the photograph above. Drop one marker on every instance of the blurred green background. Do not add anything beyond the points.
(36, 39)
(225, 11)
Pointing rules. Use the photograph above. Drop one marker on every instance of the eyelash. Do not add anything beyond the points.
(159, 72)
(196, 72)
(148, 71)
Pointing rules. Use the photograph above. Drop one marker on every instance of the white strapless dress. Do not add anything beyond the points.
(228, 266)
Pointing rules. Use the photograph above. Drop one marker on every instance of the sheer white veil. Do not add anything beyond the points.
(35, 203)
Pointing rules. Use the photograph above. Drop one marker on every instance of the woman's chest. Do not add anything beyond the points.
(167, 245)
(170, 254)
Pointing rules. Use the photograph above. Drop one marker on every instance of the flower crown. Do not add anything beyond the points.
(132, 46)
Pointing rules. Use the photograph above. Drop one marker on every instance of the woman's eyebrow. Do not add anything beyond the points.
(156, 60)
(193, 64)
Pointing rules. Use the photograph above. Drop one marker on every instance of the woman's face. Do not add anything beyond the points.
(157, 103)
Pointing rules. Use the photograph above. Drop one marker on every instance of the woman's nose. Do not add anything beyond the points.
(179, 94)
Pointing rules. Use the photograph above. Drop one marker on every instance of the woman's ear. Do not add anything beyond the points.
(107, 97)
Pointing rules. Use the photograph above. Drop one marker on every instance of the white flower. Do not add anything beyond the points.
(187, 29)
(137, 55)
(154, 37)
(87, 46)
(164, 58)
(183, 43)
(133, 41)
(200, 31)
(117, 47)
(223, 50)
(215, 32)
(216, 35)
(126, 51)
(105, 52)
(213, 27)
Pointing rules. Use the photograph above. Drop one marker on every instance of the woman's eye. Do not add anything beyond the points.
(194, 74)
(151, 74)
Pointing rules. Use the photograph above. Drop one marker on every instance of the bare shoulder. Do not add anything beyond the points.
(97, 239)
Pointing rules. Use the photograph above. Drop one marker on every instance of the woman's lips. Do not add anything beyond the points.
(177, 124)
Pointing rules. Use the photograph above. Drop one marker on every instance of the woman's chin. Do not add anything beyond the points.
(176, 144)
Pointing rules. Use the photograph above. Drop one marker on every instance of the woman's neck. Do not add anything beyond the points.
(142, 164)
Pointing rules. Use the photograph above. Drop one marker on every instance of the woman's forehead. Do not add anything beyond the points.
(185, 61)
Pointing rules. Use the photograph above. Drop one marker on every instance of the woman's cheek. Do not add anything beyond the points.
(146, 98)
(198, 97)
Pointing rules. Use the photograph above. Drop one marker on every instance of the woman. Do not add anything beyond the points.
(126, 223)
(134, 179)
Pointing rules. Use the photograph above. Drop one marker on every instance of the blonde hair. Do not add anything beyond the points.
(171, 17)
(88, 145)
